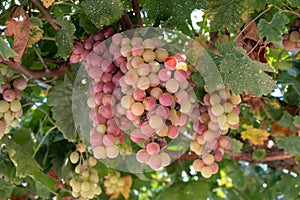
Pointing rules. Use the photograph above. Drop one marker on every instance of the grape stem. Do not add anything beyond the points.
(36, 74)
(253, 20)
(45, 14)
(42, 141)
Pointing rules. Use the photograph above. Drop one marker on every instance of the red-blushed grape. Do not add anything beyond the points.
(214, 168)
(172, 85)
(156, 92)
(148, 44)
(136, 41)
(146, 129)
(139, 95)
(224, 142)
(208, 159)
(162, 111)
(154, 80)
(143, 83)
(218, 155)
(166, 99)
(198, 165)
(137, 108)
(137, 50)
(163, 132)
(136, 61)
(112, 151)
(143, 69)
(153, 149)
(148, 56)
(108, 140)
(173, 132)
(19, 83)
(171, 63)
(9, 95)
(149, 103)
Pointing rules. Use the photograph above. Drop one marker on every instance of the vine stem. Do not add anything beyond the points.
(257, 43)
(42, 141)
(36, 74)
(45, 14)
(253, 20)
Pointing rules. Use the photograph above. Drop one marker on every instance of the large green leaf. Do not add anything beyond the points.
(5, 51)
(6, 189)
(295, 3)
(188, 191)
(242, 74)
(104, 12)
(273, 29)
(285, 78)
(60, 98)
(289, 186)
(290, 144)
(64, 37)
(225, 13)
(26, 165)
(23, 138)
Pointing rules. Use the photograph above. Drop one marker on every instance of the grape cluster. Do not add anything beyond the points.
(10, 96)
(290, 39)
(219, 113)
(115, 184)
(82, 49)
(85, 183)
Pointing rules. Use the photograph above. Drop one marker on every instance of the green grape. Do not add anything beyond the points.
(85, 186)
(74, 157)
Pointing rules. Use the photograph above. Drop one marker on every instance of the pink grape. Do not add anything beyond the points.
(143, 69)
(208, 159)
(162, 111)
(198, 165)
(146, 129)
(173, 132)
(139, 95)
(206, 171)
(96, 139)
(9, 95)
(137, 108)
(137, 50)
(181, 96)
(78, 47)
(148, 44)
(148, 56)
(214, 168)
(180, 75)
(172, 85)
(142, 156)
(131, 77)
(218, 155)
(143, 83)
(155, 162)
(108, 87)
(224, 142)
(164, 74)
(112, 151)
(106, 111)
(99, 48)
(156, 92)
(153, 149)
(19, 83)
(149, 103)
(136, 136)
(166, 99)
(136, 61)
(108, 140)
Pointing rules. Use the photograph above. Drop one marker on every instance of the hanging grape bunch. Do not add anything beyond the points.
(290, 39)
(85, 184)
(116, 184)
(142, 91)
(10, 96)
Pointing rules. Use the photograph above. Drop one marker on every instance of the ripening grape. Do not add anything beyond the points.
(74, 157)
(206, 171)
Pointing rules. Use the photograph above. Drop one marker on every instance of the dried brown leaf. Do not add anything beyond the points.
(19, 27)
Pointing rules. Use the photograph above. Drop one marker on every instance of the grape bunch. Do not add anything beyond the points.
(115, 184)
(85, 183)
(10, 96)
(219, 113)
(290, 39)
(82, 49)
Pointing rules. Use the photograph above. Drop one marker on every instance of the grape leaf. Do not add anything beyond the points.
(290, 144)
(273, 29)
(6, 189)
(64, 37)
(23, 138)
(18, 26)
(283, 118)
(87, 25)
(236, 145)
(293, 189)
(296, 121)
(242, 74)
(104, 12)
(60, 98)
(25, 164)
(259, 154)
(225, 13)
(295, 3)
(285, 78)
(5, 51)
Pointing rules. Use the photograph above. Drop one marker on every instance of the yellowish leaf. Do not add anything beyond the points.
(48, 3)
(254, 135)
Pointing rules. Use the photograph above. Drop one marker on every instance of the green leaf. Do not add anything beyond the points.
(242, 74)
(225, 13)
(284, 78)
(23, 138)
(236, 145)
(5, 51)
(296, 121)
(87, 25)
(6, 189)
(192, 190)
(104, 12)
(25, 164)
(36, 21)
(289, 186)
(259, 154)
(283, 118)
(60, 98)
(295, 3)
(64, 37)
(273, 29)
(290, 144)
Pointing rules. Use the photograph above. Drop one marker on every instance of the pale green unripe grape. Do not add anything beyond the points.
(3, 70)
(78, 169)
(217, 110)
(233, 118)
(214, 99)
(206, 171)
(107, 183)
(101, 128)
(85, 175)
(96, 190)
(74, 157)
(113, 179)
(10, 73)
(235, 99)
(121, 182)
(76, 186)
(15, 106)
(9, 116)
(75, 194)
(92, 162)
(14, 123)
(85, 194)
(4, 106)
(228, 107)
(94, 178)
(85, 186)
